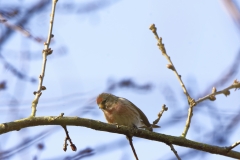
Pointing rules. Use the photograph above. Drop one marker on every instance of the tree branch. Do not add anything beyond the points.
(47, 51)
(76, 121)
(36, 8)
(174, 151)
(226, 92)
(233, 145)
(191, 101)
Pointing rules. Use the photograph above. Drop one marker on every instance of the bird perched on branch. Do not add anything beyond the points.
(121, 111)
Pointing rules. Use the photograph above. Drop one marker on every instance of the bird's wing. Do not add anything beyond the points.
(142, 115)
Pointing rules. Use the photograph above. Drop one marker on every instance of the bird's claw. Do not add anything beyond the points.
(116, 125)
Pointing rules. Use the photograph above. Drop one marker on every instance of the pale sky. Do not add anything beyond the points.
(115, 43)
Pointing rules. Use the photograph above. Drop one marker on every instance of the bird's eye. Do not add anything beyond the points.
(104, 101)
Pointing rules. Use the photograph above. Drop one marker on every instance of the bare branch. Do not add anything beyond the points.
(19, 29)
(76, 121)
(16, 72)
(191, 101)
(164, 53)
(73, 147)
(47, 51)
(131, 144)
(233, 145)
(174, 151)
(164, 108)
(226, 92)
(39, 6)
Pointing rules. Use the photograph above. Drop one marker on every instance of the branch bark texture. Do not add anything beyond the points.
(97, 125)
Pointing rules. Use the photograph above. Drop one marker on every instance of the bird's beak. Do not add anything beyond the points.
(101, 106)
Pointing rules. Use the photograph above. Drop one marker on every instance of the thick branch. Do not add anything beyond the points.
(76, 121)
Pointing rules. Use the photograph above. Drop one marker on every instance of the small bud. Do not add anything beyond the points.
(212, 98)
(164, 107)
(170, 66)
(43, 88)
(236, 81)
(52, 35)
(49, 51)
(74, 148)
(152, 27)
(214, 90)
(65, 146)
(226, 92)
(34, 92)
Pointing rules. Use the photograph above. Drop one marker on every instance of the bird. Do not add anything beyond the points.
(120, 111)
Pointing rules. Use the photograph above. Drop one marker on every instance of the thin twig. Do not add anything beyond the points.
(233, 10)
(226, 92)
(47, 51)
(164, 108)
(233, 145)
(24, 19)
(15, 71)
(131, 144)
(174, 151)
(188, 122)
(19, 29)
(164, 53)
(74, 148)
(191, 101)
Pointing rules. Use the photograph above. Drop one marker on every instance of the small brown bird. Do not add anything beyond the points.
(121, 111)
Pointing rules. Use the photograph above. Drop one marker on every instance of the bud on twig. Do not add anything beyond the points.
(164, 107)
(170, 66)
(212, 98)
(43, 88)
(214, 90)
(65, 146)
(226, 92)
(74, 148)
(153, 28)
(237, 84)
(236, 81)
